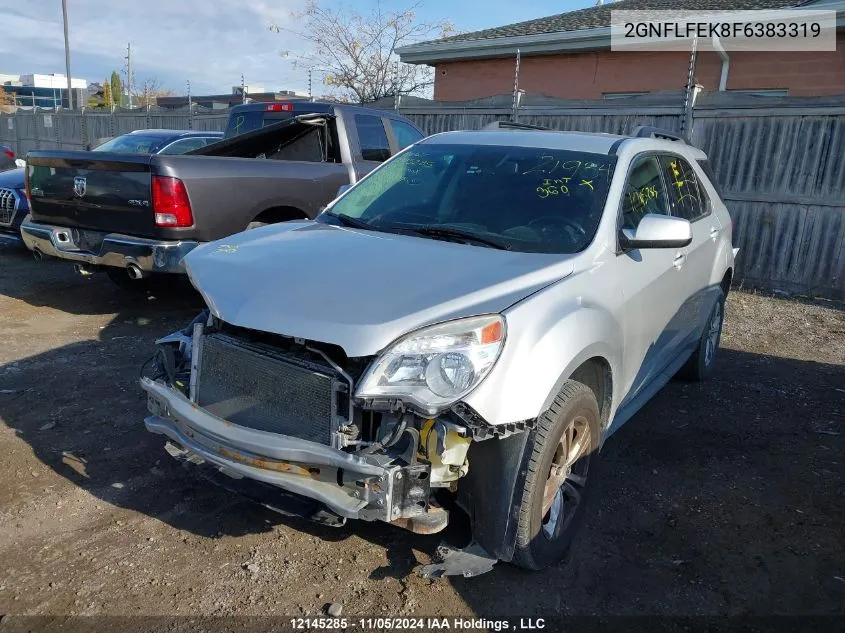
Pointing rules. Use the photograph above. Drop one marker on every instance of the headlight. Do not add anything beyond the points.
(436, 365)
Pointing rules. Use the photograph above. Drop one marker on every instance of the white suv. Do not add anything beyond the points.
(459, 331)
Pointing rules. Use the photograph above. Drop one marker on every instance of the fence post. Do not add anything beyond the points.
(17, 134)
(35, 126)
(83, 126)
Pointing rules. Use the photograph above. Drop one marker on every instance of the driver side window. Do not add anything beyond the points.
(644, 192)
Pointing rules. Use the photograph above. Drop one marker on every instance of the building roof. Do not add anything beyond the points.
(599, 16)
(582, 29)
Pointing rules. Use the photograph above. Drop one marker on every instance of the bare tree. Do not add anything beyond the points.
(151, 92)
(355, 53)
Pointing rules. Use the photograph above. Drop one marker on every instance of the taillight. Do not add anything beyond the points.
(278, 107)
(26, 185)
(170, 202)
(9, 153)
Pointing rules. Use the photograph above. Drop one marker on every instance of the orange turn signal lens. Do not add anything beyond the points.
(492, 333)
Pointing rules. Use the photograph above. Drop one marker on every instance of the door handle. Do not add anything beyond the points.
(714, 232)
(679, 260)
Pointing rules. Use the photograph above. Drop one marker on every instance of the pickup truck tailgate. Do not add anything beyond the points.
(102, 191)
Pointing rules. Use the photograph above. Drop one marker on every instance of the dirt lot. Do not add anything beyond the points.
(720, 498)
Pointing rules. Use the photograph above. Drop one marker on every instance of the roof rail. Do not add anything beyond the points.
(513, 125)
(647, 131)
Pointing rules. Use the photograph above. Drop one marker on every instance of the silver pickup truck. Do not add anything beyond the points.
(134, 215)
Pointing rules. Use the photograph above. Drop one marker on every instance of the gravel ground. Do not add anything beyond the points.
(717, 498)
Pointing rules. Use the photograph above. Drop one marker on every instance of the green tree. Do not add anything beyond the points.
(116, 86)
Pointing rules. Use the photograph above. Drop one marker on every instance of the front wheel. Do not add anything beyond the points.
(564, 452)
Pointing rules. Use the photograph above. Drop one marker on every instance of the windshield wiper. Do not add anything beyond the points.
(459, 234)
(348, 220)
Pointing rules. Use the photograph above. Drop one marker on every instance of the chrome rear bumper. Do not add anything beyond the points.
(114, 249)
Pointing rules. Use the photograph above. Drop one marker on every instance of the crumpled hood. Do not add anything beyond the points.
(357, 289)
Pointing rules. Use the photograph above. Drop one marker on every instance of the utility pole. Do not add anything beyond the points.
(129, 72)
(243, 90)
(67, 58)
(516, 88)
(396, 95)
(689, 92)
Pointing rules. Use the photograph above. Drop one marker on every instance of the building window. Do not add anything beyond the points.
(765, 92)
(621, 95)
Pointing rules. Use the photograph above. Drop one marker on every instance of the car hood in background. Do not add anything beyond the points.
(13, 178)
(357, 289)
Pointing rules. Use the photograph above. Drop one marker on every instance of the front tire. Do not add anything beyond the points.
(563, 459)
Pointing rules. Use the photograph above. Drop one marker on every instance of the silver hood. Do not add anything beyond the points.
(357, 289)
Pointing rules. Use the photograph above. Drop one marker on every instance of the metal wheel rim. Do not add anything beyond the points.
(713, 331)
(567, 477)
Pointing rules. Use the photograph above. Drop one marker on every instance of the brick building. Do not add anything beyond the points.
(568, 56)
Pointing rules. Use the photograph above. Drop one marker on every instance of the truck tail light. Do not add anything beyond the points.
(170, 202)
(26, 188)
(278, 107)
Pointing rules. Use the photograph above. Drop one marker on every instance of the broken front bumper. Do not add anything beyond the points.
(365, 487)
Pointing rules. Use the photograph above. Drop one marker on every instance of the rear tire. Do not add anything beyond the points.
(702, 363)
(561, 468)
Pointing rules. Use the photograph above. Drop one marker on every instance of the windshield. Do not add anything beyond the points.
(519, 198)
(132, 144)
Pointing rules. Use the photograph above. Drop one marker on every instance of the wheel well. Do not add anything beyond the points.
(726, 281)
(280, 214)
(595, 373)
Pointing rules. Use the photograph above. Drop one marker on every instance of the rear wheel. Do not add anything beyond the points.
(563, 458)
(702, 362)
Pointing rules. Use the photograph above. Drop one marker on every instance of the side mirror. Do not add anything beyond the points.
(342, 189)
(657, 231)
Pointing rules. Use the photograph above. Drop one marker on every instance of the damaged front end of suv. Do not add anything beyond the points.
(310, 432)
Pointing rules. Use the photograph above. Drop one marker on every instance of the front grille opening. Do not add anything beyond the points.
(264, 392)
(288, 346)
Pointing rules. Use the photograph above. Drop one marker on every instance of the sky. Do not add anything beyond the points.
(209, 42)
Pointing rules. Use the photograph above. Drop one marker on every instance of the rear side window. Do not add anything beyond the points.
(707, 168)
(644, 192)
(373, 138)
(687, 198)
(405, 134)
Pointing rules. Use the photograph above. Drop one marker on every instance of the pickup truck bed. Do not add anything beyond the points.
(145, 212)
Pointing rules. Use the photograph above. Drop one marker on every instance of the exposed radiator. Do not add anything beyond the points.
(244, 385)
